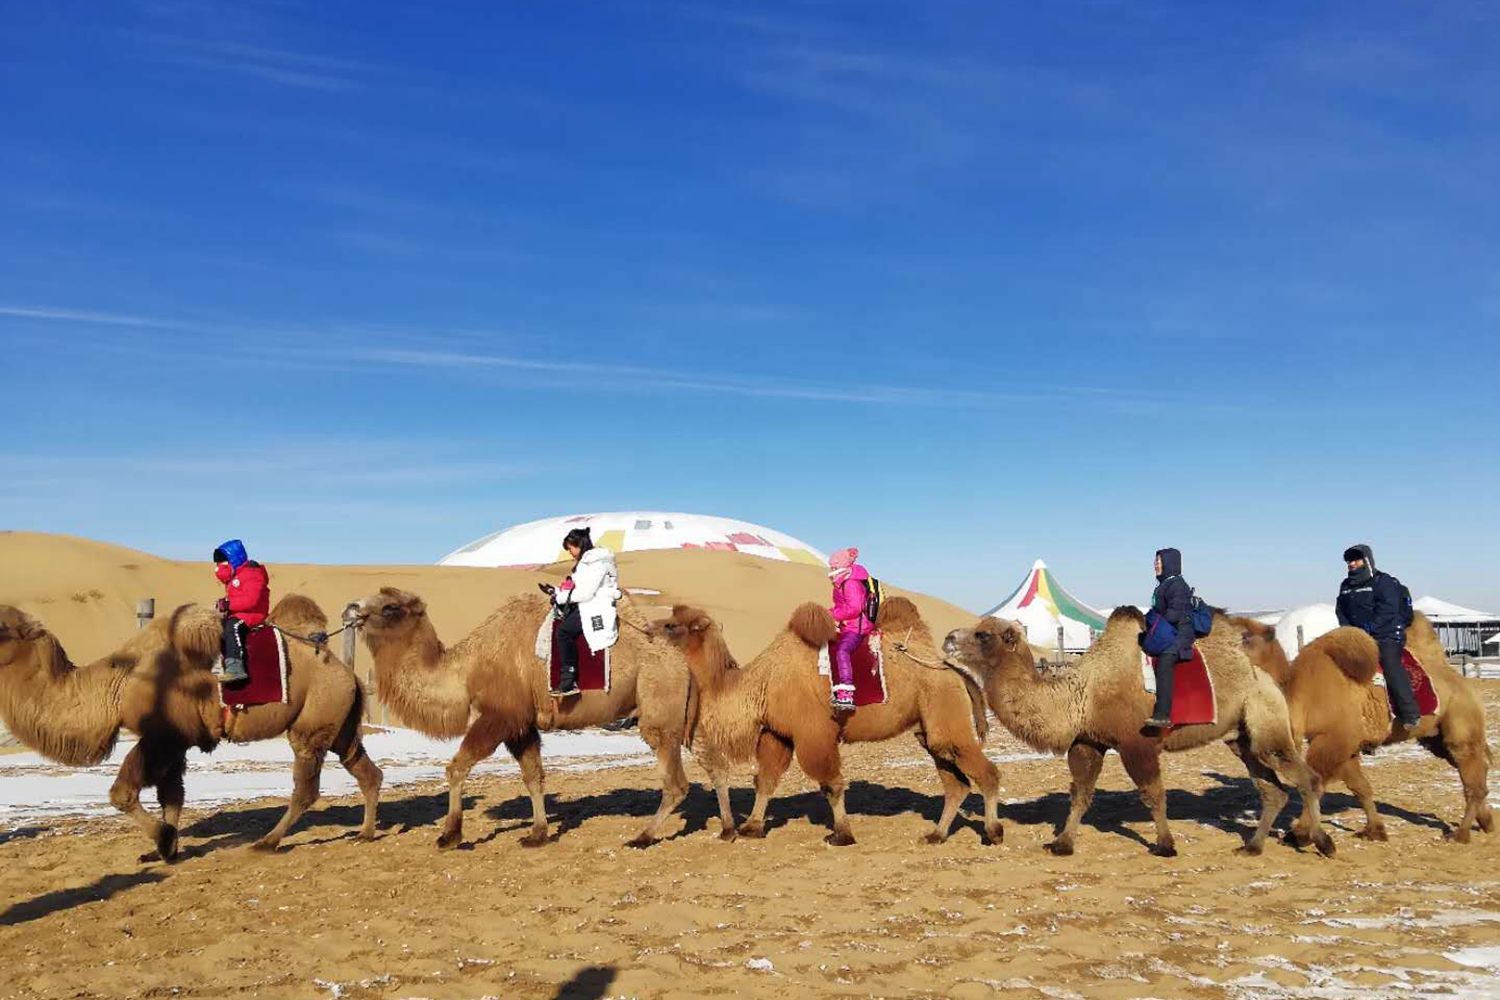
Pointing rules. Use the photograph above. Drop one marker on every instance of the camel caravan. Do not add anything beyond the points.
(587, 654)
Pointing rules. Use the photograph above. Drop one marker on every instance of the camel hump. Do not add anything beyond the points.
(898, 613)
(299, 613)
(1352, 651)
(813, 625)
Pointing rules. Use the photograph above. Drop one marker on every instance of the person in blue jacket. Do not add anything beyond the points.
(1173, 600)
(1373, 601)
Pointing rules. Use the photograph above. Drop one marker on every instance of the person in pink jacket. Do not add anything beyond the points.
(849, 602)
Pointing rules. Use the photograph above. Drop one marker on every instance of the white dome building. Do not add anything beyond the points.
(1314, 620)
(539, 543)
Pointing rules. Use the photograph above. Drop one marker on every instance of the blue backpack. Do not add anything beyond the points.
(1203, 617)
(1160, 634)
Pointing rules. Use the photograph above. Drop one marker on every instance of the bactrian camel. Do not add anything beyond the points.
(491, 688)
(1100, 704)
(1342, 714)
(778, 705)
(158, 686)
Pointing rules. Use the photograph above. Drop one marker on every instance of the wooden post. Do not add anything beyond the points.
(351, 644)
(145, 610)
(1059, 644)
(1299, 638)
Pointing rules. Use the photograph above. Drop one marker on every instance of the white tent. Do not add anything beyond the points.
(1314, 620)
(1440, 610)
(1042, 606)
(539, 543)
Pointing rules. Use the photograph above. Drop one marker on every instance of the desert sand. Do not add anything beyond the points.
(82, 916)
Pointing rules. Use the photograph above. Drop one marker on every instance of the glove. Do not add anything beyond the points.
(222, 605)
(546, 588)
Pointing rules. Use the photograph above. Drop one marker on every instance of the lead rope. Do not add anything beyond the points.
(901, 647)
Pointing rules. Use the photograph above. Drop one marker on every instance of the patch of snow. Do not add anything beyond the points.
(32, 787)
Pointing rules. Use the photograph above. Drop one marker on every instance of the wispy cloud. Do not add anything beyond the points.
(306, 70)
(439, 352)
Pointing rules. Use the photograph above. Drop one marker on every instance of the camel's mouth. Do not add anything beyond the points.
(354, 615)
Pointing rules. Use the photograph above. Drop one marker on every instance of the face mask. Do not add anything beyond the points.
(223, 572)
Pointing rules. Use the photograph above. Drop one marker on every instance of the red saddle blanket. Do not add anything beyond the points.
(1193, 702)
(593, 668)
(266, 663)
(1428, 701)
(869, 671)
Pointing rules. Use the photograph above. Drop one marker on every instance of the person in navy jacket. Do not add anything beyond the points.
(1173, 600)
(1373, 601)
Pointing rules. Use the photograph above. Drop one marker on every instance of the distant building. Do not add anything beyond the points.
(1042, 606)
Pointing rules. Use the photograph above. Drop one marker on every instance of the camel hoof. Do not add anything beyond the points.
(933, 837)
(1457, 836)
(1294, 838)
(640, 841)
(538, 838)
(728, 835)
(1062, 848)
(1324, 844)
(166, 843)
(1250, 850)
(264, 846)
(1164, 850)
(366, 836)
(754, 831)
(1374, 833)
(995, 835)
(449, 840)
(839, 838)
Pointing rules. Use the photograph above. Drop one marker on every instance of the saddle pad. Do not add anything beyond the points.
(593, 668)
(1193, 702)
(266, 663)
(1428, 702)
(869, 670)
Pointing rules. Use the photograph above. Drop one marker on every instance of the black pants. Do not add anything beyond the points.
(234, 639)
(1166, 672)
(1398, 682)
(569, 631)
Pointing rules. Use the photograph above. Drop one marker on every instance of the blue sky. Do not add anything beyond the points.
(964, 284)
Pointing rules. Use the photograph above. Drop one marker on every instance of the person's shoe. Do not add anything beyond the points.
(843, 697)
(566, 689)
(1158, 722)
(234, 671)
(1402, 729)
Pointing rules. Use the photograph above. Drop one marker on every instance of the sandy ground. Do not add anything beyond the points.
(586, 917)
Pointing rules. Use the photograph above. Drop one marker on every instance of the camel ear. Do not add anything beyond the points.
(701, 624)
(1011, 636)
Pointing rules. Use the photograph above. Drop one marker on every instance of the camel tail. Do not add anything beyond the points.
(690, 719)
(813, 625)
(347, 744)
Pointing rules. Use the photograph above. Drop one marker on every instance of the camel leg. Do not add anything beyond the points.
(955, 788)
(1142, 761)
(979, 772)
(1084, 762)
(773, 756)
(1273, 796)
(820, 761)
(720, 777)
(1325, 757)
(1473, 771)
(674, 788)
(479, 742)
(171, 793)
(125, 795)
(369, 776)
(1353, 775)
(527, 750)
(307, 772)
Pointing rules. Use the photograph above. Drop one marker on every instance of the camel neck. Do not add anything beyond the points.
(66, 713)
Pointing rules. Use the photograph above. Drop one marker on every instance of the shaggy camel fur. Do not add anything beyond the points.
(159, 687)
(492, 689)
(778, 705)
(1342, 714)
(1101, 703)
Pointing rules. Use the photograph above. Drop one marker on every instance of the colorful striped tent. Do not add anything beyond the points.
(1041, 605)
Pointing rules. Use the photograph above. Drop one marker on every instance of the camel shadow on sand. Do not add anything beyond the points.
(239, 827)
(59, 900)
(589, 983)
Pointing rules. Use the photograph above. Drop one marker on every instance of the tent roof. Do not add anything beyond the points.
(1440, 610)
(1041, 590)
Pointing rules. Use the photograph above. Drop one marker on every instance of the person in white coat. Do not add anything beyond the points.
(585, 605)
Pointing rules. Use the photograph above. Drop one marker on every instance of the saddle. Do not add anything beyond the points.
(266, 663)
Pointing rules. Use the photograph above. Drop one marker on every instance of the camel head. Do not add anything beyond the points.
(18, 631)
(686, 628)
(1260, 645)
(388, 614)
(985, 644)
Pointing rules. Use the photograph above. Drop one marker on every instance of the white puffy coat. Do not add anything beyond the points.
(596, 588)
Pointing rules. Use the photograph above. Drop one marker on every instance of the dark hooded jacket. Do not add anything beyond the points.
(1371, 600)
(1173, 599)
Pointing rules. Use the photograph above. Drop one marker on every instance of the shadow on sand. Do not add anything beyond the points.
(65, 899)
(589, 983)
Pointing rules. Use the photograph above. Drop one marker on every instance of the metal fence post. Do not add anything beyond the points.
(1299, 638)
(145, 610)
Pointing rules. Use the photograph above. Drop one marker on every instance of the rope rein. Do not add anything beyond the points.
(900, 646)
